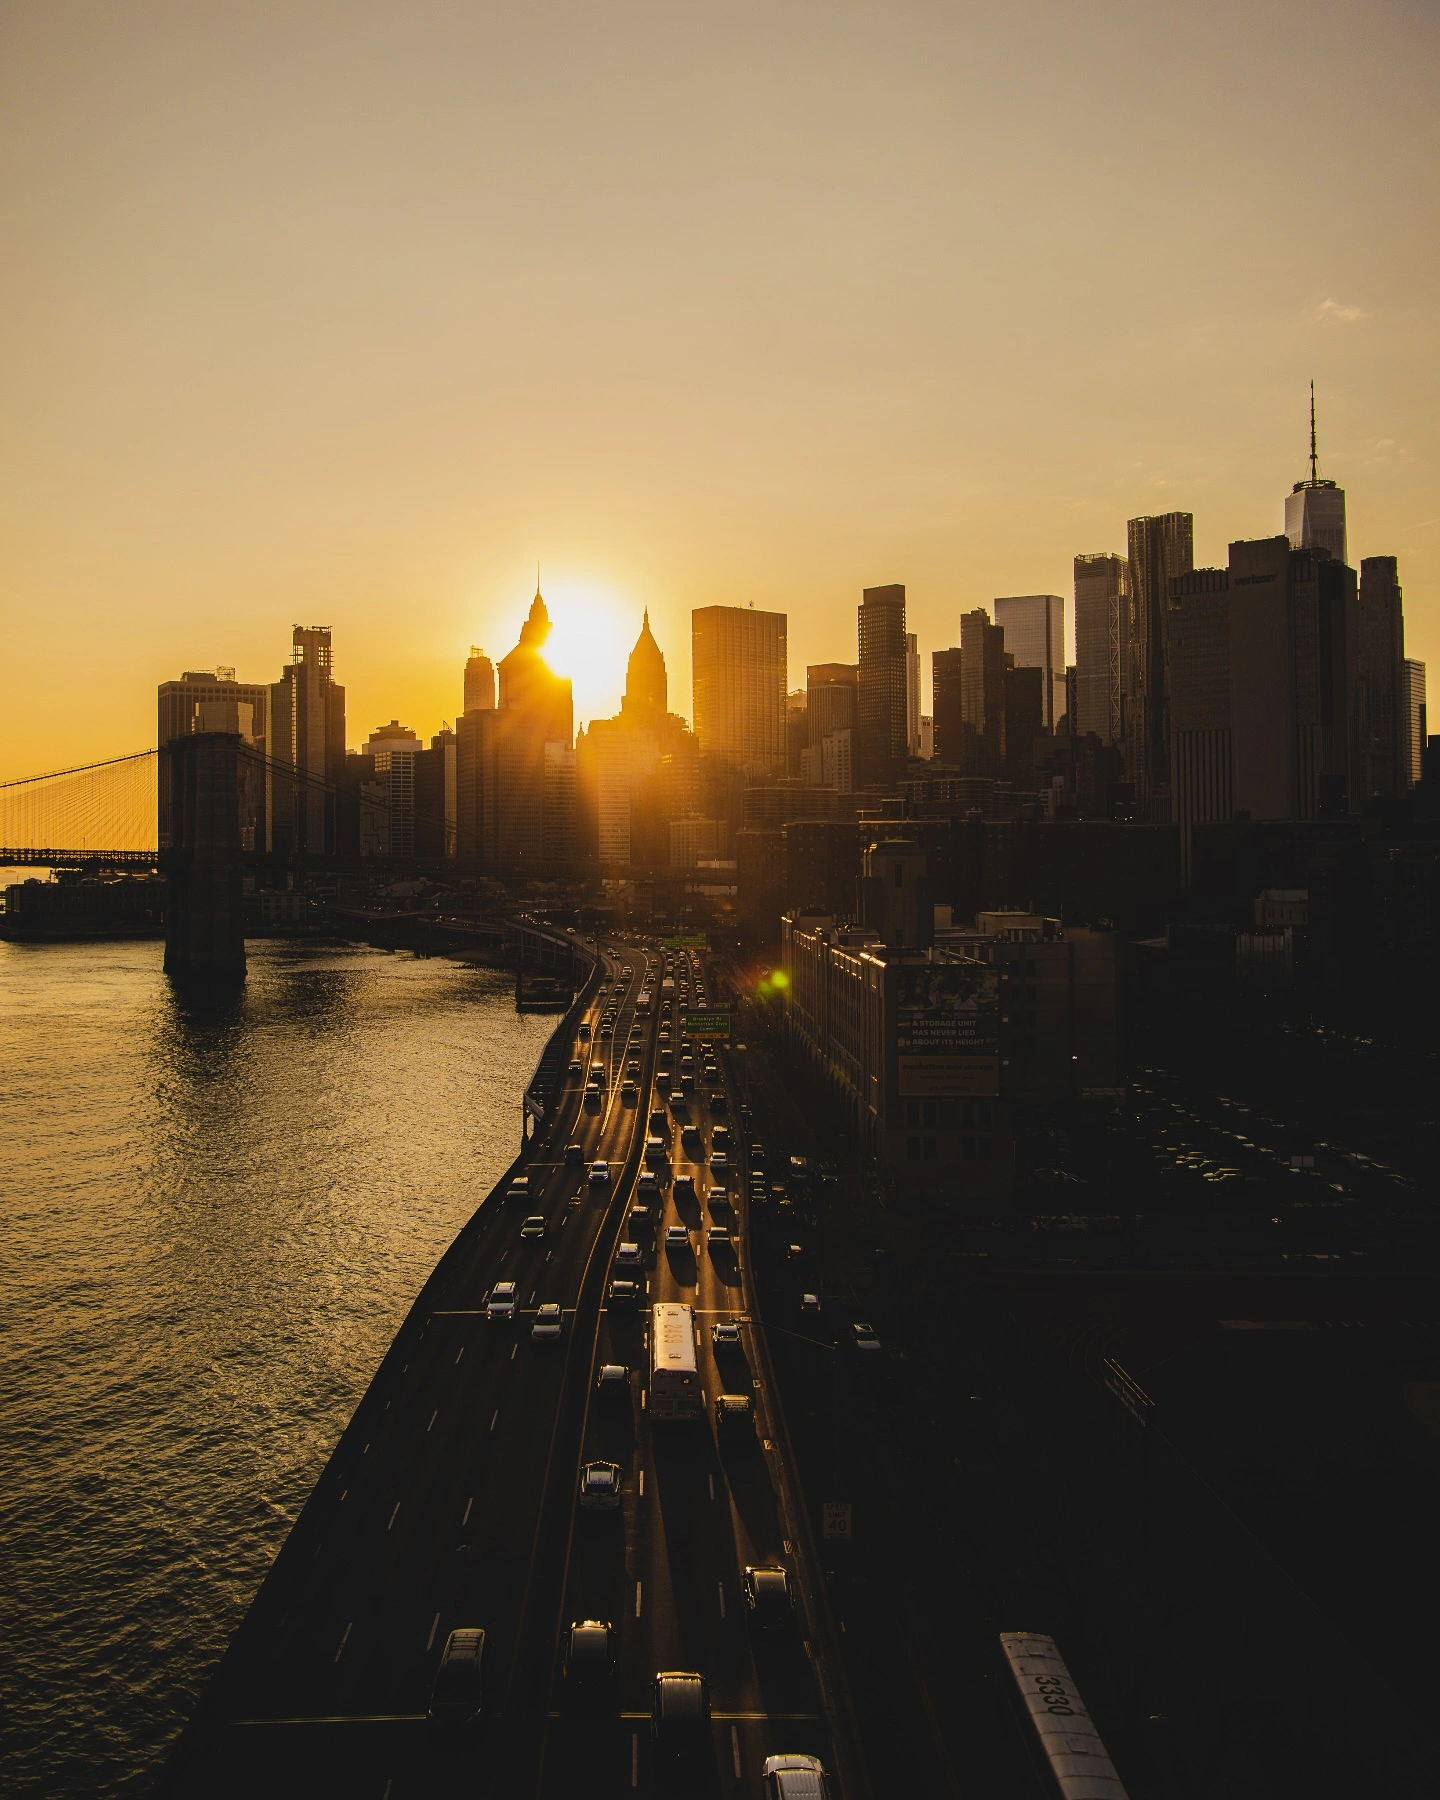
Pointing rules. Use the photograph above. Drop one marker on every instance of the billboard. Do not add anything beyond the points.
(947, 1030)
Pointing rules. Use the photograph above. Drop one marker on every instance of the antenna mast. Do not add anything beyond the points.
(1314, 464)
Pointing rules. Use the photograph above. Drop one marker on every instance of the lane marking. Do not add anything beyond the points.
(735, 1750)
(493, 1417)
(388, 1785)
(639, 1588)
(434, 1627)
(392, 1516)
(459, 1354)
(711, 1480)
(720, 1589)
(513, 1349)
(342, 1497)
(642, 1481)
(433, 1417)
(336, 1719)
(344, 1640)
(634, 1759)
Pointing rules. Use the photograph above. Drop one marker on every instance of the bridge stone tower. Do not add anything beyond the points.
(205, 924)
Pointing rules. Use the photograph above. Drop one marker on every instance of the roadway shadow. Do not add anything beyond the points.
(683, 1266)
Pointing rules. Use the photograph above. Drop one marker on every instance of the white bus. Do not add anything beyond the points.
(642, 1005)
(1069, 1742)
(674, 1379)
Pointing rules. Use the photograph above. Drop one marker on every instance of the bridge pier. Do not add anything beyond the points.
(204, 920)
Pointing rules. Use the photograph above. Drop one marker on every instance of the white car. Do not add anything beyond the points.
(599, 1174)
(534, 1227)
(600, 1486)
(500, 1307)
(794, 1778)
(725, 1334)
(547, 1323)
(864, 1336)
(677, 1238)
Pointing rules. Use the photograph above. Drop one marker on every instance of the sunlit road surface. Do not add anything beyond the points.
(450, 1501)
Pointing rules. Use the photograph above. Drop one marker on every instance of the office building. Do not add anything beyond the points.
(392, 751)
(307, 747)
(948, 714)
(830, 691)
(1198, 682)
(912, 694)
(982, 695)
(1380, 655)
(797, 732)
(1102, 605)
(1160, 548)
(1315, 508)
(1034, 627)
(738, 666)
(213, 700)
(881, 738)
(479, 681)
(1024, 691)
(1413, 724)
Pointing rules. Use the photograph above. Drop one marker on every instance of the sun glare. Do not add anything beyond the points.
(590, 640)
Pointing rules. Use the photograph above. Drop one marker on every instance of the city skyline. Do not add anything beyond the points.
(688, 345)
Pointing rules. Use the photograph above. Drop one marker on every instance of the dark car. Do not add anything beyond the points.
(769, 1605)
(589, 1655)
(734, 1415)
(680, 1714)
(624, 1296)
(574, 1156)
(455, 1699)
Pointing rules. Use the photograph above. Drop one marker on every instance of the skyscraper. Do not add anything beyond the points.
(1102, 630)
(947, 707)
(1034, 627)
(1198, 682)
(982, 695)
(1380, 652)
(1315, 508)
(479, 681)
(912, 694)
(1161, 547)
(307, 736)
(880, 701)
(830, 690)
(1413, 720)
(738, 666)
(213, 700)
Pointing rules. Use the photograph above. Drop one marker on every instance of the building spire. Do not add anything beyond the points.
(1314, 461)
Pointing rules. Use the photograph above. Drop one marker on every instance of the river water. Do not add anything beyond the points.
(210, 1228)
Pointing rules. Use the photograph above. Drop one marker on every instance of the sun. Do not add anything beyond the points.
(590, 638)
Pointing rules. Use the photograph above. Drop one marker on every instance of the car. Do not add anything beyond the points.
(718, 1200)
(600, 1486)
(458, 1690)
(691, 1141)
(687, 1064)
(500, 1307)
(519, 1188)
(720, 1138)
(687, 1084)
(665, 1062)
(725, 1334)
(800, 1167)
(629, 1093)
(684, 1188)
(627, 1256)
(769, 1605)
(659, 1123)
(623, 1294)
(596, 1076)
(589, 1654)
(677, 1237)
(641, 1222)
(547, 1324)
(710, 1072)
(575, 1069)
(809, 1303)
(613, 1380)
(680, 1714)
(719, 1163)
(574, 1156)
(864, 1337)
(662, 1081)
(632, 1068)
(599, 1174)
(654, 1150)
(734, 1414)
(719, 1103)
(607, 1031)
(534, 1226)
(584, 1033)
(718, 1238)
(664, 1036)
(648, 1185)
(757, 1156)
(794, 1778)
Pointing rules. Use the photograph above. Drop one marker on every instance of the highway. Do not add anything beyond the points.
(451, 1501)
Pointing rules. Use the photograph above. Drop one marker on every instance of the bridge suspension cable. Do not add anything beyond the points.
(98, 808)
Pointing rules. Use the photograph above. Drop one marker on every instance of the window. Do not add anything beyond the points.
(967, 1114)
(984, 1119)
(987, 1148)
(967, 1149)
(929, 1149)
(899, 875)
(929, 1118)
(912, 1148)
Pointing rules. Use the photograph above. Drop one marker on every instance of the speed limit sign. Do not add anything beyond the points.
(837, 1519)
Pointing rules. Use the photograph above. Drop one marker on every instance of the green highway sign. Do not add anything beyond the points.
(714, 1022)
(695, 940)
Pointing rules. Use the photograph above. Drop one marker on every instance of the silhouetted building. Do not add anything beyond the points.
(1198, 682)
(1025, 690)
(895, 894)
(881, 740)
(1034, 627)
(738, 665)
(1102, 626)
(393, 751)
(948, 707)
(982, 695)
(912, 694)
(307, 747)
(1315, 508)
(1413, 728)
(1380, 655)
(830, 690)
(797, 733)
(479, 681)
(1160, 548)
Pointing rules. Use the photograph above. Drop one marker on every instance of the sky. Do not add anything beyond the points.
(348, 313)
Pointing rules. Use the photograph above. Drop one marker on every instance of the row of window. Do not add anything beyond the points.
(972, 1149)
(967, 1115)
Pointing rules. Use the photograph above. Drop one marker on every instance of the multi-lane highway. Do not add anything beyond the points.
(451, 1498)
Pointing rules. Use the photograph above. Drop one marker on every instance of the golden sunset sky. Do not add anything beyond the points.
(346, 313)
